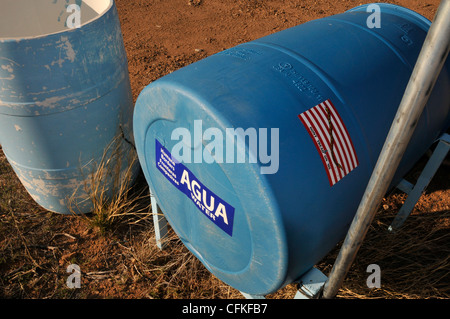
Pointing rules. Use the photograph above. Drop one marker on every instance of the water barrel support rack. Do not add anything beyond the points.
(247, 257)
(427, 69)
(159, 223)
(313, 283)
(415, 191)
(310, 285)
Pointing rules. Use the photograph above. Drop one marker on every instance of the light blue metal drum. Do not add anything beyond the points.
(259, 155)
(64, 96)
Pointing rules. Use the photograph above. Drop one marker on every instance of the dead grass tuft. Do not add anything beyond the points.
(414, 260)
(109, 186)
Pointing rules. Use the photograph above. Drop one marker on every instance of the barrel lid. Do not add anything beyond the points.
(224, 213)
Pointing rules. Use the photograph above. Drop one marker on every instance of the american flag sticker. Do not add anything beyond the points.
(329, 134)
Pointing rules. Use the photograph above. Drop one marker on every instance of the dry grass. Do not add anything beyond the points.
(108, 184)
(414, 260)
(174, 272)
(116, 251)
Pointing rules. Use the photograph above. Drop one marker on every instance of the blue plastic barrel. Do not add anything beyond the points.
(64, 96)
(323, 95)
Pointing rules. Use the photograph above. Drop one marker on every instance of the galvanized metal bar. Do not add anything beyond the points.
(311, 284)
(426, 71)
(405, 186)
(424, 179)
(249, 296)
(159, 223)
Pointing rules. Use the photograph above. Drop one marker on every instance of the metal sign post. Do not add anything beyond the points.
(426, 71)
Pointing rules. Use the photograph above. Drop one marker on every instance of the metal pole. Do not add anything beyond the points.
(429, 64)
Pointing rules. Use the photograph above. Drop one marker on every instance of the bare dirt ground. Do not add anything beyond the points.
(122, 261)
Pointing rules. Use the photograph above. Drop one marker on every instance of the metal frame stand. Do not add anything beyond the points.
(310, 286)
(415, 191)
(428, 67)
(159, 222)
(421, 83)
(312, 283)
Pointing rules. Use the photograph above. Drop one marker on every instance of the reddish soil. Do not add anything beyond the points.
(162, 36)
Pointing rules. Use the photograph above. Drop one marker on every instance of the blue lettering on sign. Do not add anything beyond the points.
(216, 209)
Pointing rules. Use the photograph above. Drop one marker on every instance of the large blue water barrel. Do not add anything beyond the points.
(64, 96)
(314, 104)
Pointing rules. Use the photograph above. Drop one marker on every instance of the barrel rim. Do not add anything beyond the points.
(110, 6)
(396, 10)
